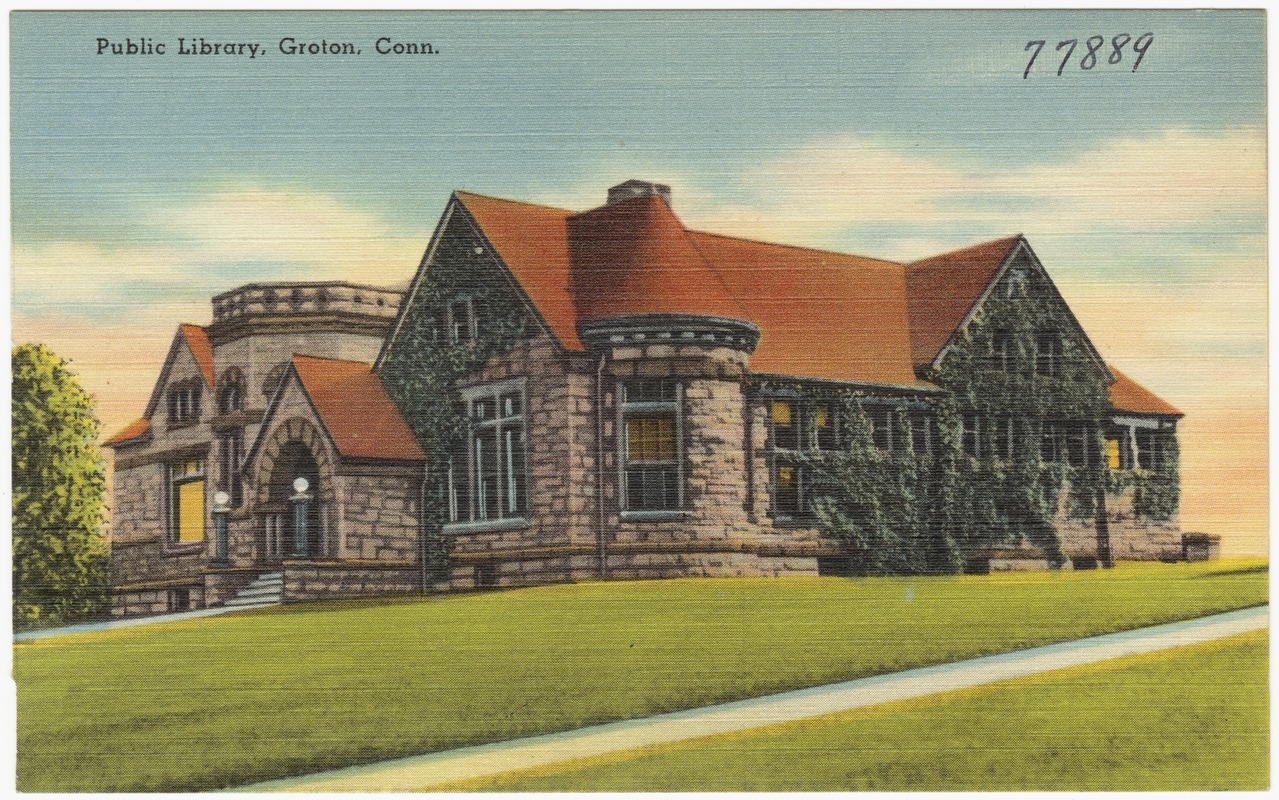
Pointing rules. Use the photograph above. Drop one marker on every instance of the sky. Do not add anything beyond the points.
(142, 185)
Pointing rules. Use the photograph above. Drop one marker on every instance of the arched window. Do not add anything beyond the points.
(231, 391)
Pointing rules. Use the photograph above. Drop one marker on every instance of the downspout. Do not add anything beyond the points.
(421, 523)
(601, 541)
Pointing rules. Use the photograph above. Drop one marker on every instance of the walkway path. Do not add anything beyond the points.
(420, 772)
(87, 627)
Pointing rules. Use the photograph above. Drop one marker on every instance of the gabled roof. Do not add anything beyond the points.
(354, 408)
(196, 340)
(133, 431)
(1128, 395)
(201, 348)
(821, 314)
(943, 289)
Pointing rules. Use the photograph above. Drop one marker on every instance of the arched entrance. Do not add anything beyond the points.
(295, 461)
(294, 451)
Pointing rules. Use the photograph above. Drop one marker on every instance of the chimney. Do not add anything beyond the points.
(636, 188)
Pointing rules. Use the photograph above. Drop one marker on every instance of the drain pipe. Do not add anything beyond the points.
(421, 523)
(601, 541)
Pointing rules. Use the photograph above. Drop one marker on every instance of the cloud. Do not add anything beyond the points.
(844, 188)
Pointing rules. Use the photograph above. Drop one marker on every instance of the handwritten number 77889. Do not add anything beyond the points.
(1093, 47)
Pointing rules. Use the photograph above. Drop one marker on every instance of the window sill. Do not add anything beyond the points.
(508, 524)
(664, 515)
(784, 521)
(183, 548)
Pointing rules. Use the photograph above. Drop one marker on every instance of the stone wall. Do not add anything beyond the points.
(135, 602)
(1132, 538)
(337, 580)
(379, 517)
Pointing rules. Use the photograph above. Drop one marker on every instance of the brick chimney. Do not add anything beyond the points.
(637, 188)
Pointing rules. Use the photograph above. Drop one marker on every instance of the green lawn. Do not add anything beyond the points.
(230, 700)
(1193, 718)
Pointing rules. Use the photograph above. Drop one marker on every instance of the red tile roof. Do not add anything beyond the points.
(198, 340)
(635, 257)
(821, 314)
(1128, 395)
(356, 410)
(943, 288)
(133, 431)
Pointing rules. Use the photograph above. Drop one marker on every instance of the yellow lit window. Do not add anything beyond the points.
(650, 438)
(1112, 453)
(782, 412)
(186, 501)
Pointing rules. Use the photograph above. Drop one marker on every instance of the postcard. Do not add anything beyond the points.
(826, 400)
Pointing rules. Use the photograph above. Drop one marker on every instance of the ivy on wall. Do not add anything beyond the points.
(1021, 360)
(422, 366)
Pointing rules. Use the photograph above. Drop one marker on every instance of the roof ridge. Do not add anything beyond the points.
(1014, 237)
(806, 248)
(518, 202)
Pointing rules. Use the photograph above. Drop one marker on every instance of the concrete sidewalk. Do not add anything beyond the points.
(131, 622)
(423, 772)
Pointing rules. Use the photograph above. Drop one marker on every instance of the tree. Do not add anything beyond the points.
(60, 560)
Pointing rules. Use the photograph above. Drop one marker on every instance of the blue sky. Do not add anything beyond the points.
(161, 180)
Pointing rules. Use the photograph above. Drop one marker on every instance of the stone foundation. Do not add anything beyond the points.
(144, 600)
(310, 580)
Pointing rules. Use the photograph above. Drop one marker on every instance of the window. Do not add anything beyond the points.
(825, 431)
(461, 321)
(970, 434)
(1001, 352)
(186, 501)
(881, 426)
(1078, 442)
(179, 599)
(184, 402)
(784, 421)
(230, 393)
(921, 434)
(652, 472)
(1004, 437)
(1046, 355)
(231, 452)
(1050, 443)
(1112, 453)
(1149, 455)
(787, 491)
(497, 475)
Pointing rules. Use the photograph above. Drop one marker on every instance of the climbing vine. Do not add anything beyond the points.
(423, 365)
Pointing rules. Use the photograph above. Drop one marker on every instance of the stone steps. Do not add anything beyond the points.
(266, 590)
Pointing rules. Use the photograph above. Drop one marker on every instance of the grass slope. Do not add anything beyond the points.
(1193, 718)
(230, 700)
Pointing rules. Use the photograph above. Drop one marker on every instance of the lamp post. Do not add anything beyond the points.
(220, 509)
(300, 501)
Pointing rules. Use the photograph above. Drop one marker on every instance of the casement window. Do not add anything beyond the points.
(230, 394)
(185, 498)
(1149, 450)
(1113, 450)
(783, 417)
(825, 429)
(652, 452)
(881, 426)
(184, 402)
(488, 472)
(1001, 351)
(1047, 355)
(231, 455)
(461, 323)
(1119, 449)
(1079, 443)
(921, 434)
(970, 434)
(1050, 446)
(1004, 437)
